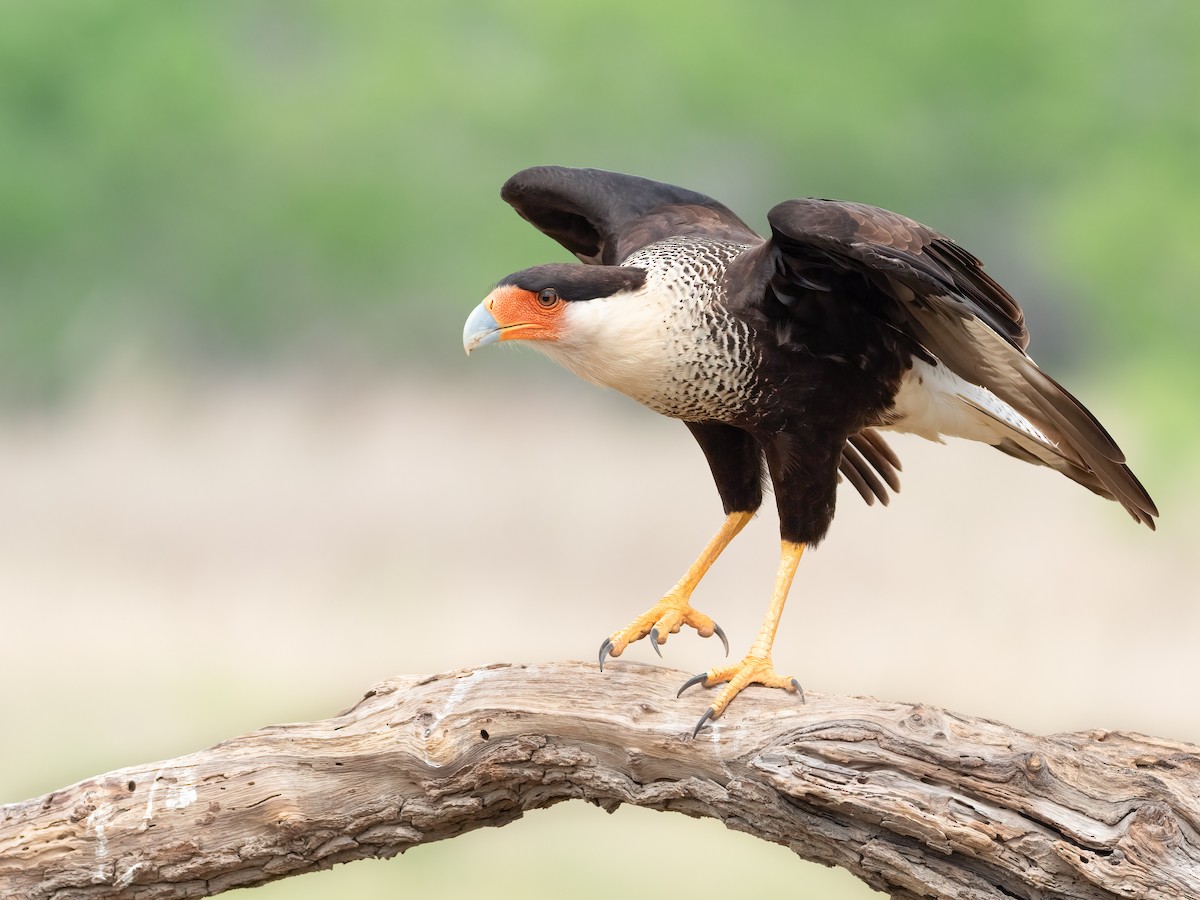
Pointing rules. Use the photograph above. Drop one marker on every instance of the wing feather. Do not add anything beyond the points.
(937, 293)
(603, 217)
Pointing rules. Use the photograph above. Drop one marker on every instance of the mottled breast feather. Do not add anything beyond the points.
(712, 356)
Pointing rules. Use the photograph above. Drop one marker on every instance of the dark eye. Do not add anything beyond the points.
(548, 297)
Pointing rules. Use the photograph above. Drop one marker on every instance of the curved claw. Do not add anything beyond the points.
(708, 714)
(799, 690)
(654, 641)
(695, 679)
(720, 632)
(604, 648)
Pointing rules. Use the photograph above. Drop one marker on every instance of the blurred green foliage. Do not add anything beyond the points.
(254, 182)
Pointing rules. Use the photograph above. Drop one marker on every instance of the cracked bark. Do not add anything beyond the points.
(915, 801)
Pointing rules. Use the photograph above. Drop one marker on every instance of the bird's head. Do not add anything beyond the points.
(546, 303)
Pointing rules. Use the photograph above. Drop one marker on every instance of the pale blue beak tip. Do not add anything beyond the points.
(480, 330)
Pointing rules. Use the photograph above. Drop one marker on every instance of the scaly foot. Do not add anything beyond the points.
(754, 668)
(674, 610)
(667, 616)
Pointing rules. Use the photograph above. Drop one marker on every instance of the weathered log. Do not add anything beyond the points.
(915, 801)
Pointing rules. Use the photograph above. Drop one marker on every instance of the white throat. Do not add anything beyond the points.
(619, 341)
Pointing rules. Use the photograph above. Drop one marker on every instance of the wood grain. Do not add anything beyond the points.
(915, 801)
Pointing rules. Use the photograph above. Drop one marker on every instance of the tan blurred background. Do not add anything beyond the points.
(245, 470)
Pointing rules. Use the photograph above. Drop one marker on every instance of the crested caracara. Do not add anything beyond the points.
(787, 356)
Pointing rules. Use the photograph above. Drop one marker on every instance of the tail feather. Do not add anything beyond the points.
(1026, 414)
(866, 459)
(984, 362)
(1075, 455)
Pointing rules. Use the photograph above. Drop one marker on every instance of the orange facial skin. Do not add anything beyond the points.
(525, 315)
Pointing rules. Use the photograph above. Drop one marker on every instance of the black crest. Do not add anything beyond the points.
(575, 282)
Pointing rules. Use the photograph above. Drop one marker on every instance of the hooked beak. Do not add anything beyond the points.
(481, 329)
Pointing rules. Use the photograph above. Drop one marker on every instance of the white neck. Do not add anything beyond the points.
(619, 341)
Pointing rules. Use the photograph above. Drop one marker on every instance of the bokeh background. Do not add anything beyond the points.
(246, 471)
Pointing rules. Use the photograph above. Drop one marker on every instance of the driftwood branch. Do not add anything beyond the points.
(915, 801)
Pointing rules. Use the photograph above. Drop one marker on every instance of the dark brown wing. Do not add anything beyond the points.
(937, 293)
(602, 217)
(896, 245)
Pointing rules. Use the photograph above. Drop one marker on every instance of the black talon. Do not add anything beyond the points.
(799, 690)
(708, 714)
(654, 641)
(719, 632)
(604, 648)
(695, 679)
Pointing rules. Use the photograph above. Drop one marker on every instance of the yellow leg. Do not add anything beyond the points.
(756, 666)
(674, 610)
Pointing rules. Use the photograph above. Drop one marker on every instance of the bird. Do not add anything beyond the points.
(787, 357)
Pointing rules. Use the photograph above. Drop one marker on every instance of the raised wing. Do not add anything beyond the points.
(929, 288)
(603, 217)
(842, 234)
